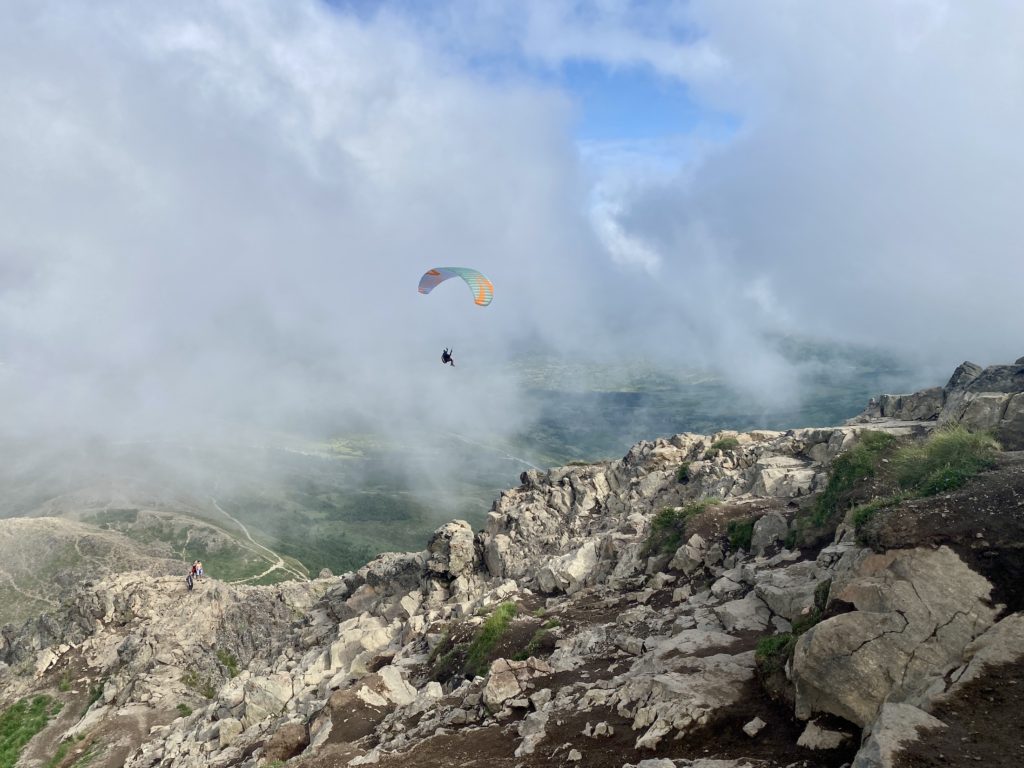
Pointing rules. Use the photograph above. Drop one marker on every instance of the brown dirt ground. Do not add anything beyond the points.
(723, 738)
(984, 725)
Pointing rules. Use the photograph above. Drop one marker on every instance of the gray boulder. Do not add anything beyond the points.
(917, 610)
(452, 550)
(897, 726)
(769, 530)
(964, 374)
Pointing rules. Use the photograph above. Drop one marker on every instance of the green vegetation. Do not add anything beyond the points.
(865, 513)
(490, 632)
(60, 754)
(20, 722)
(87, 757)
(850, 468)
(457, 654)
(95, 691)
(668, 528)
(540, 637)
(184, 710)
(64, 685)
(683, 473)
(773, 652)
(578, 463)
(725, 444)
(740, 533)
(228, 660)
(112, 518)
(200, 685)
(945, 461)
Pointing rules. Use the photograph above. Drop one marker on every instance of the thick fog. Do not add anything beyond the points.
(216, 213)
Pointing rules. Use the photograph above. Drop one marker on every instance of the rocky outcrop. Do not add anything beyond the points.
(613, 644)
(917, 611)
(990, 399)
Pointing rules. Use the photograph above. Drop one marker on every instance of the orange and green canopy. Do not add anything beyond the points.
(483, 289)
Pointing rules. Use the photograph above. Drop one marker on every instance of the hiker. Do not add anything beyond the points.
(199, 569)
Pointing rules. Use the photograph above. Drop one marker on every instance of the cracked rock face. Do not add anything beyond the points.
(916, 611)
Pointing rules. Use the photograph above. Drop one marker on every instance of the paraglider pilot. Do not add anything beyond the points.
(446, 358)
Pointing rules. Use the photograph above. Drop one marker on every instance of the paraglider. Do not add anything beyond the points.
(482, 288)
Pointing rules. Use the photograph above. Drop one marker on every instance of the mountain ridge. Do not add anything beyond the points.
(761, 636)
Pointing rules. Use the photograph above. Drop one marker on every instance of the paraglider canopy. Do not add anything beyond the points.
(482, 288)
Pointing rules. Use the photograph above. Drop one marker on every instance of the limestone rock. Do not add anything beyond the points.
(689, 557)
(919, 406)
(746, 614)
(533, 733)
(229, 730)
(452, 549)
(1001, 644)
(769, 530)
(265, 696)
(916, 612)
(896, 726)
(511, 680)
(815, 736)
(569, 572)
(789, 592)
(964, 374)
(754, 727)
(681, 700)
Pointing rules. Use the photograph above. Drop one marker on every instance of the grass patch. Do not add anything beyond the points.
(95, 691)
(945, 461)
(490, 632)
(88, 756)
(740, 532)
(683, 473)
(850, 468)
(20, 722)
(184, 710)
(862, 515)
(467, 652)
(725, 444)
(65, 682)
(200, 685)
(773, 652)
(668, 528)
(229, 662)
(578, 463)
(62, 751)
(536, 644)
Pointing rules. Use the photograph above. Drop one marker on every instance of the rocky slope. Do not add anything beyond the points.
(560, 635)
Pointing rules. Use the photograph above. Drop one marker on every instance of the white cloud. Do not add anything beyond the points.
(223, 207)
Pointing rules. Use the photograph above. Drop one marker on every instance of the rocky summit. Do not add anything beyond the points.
(839, 596)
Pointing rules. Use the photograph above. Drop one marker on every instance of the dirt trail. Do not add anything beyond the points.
(276, 561)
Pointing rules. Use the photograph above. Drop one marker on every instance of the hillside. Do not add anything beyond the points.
(832, 596)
